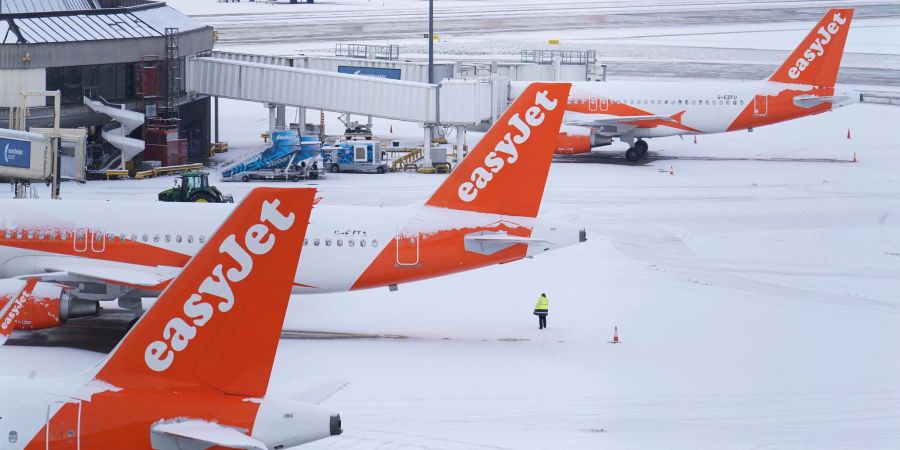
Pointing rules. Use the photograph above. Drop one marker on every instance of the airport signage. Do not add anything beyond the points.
(377, 72)
(15, 153)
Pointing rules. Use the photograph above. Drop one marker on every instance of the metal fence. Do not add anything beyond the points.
(566, 56)
(366, 51)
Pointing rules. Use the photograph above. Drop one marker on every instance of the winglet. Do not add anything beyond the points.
(218, 322)
(817, 59)
(11, 305)
(506, 172)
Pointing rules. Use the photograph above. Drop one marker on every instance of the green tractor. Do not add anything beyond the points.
(194, 187)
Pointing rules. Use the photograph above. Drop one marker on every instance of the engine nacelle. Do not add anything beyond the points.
(48, 305)
(282, 423)
(574, 141)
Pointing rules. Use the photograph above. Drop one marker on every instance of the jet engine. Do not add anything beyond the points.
(572, 141)
(284, 423)
(47, 305)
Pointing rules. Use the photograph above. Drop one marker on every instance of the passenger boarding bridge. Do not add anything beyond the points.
(385, 88)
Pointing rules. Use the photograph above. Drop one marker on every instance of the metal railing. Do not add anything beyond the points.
(366, 51)
(565, 56)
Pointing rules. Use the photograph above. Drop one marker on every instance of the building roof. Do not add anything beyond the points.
(83, 20)
(35, 6)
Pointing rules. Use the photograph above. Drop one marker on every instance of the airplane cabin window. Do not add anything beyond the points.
(351, 243)
(201, 239)
(362, 242)
(374, 242)
(8, 234)
(40, 234)
(168, 238)
(316, 242)
(134, 237)
(190, 239)
(178, 238)
(155, 238)
(339, 242)
(328, 242)
(305, 242)
(144, 238)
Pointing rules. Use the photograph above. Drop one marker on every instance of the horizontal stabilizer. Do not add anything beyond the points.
(199, 434)
(809, 101)
(488, 243)
(311, 390)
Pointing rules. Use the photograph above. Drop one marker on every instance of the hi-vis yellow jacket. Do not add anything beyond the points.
(542, 305)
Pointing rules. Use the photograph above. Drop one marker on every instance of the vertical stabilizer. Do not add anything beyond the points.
(817, 59)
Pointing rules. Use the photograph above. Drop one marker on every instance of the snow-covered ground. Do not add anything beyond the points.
(757, 302)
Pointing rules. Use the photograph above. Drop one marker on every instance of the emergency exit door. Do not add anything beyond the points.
(761, 106)
(408, 249)
(63, 425)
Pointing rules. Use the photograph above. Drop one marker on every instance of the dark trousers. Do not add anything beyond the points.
(542, 321)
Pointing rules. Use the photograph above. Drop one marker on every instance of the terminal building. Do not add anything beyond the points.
(107, 56)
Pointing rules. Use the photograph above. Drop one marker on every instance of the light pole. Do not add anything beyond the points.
(430, 41)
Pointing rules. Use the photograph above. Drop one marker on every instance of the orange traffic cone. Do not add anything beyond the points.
(615, 336)
(848, 133)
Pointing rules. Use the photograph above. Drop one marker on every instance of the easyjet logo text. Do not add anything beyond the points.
(506, 152)
(14, 312)
(215, 293)
(817, 48)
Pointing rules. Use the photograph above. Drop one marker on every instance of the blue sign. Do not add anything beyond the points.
(15, 153)
(378, 72)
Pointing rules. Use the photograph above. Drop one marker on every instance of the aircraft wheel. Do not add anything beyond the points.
(642, 146)
(633, 155)
(245, 178)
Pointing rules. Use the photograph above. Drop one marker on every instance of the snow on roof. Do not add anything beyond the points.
(36, 6)
(92, 26)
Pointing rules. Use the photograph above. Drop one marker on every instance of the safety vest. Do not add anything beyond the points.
(543, 304)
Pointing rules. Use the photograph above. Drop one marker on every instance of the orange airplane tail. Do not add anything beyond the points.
(817, 59)
(506, 172)
(218, 323)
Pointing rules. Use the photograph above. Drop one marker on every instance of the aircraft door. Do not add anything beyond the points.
(761, 106)
(98, 241)
(408, 249)
(604, 104)
(80, 238)
(64, 425)
(592, 104)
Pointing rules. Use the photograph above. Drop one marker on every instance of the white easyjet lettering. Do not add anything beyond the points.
(15, 310)
(817, 47)
(215, 291)
(506, 152)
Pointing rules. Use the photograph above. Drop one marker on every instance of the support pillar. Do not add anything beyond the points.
(280, 119)
(301, 119)
(460, 143)
(426, 153)
(216, 117)
(271, 119)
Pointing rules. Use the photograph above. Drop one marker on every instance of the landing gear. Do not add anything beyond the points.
(637, 151)
(641, 146)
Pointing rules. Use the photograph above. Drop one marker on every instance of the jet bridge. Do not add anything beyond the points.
(453, 102)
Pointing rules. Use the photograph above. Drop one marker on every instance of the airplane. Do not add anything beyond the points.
(194, 372)
(633, 111)
(485, 213)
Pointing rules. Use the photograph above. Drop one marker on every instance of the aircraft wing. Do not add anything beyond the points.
(7, 311)
(200, 434)
(619, 120)
(130, 275)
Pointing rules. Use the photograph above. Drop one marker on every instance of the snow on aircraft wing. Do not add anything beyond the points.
(190, 433)
(619, 120)
(8, 310)
(133, 276)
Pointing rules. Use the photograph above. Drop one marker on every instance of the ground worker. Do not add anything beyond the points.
(541, 309)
